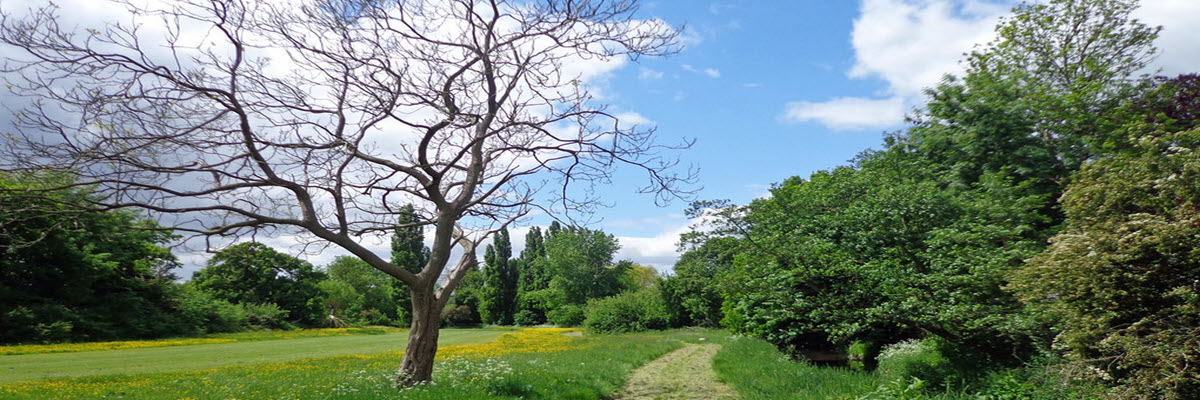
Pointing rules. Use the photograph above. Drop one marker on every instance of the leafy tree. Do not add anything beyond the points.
(340, 302)
(694, 294)
(531, 276)
(71, 274)
(632, 311)
(253, 273)
(498, 297)
(1072, 62)
(446, 104)
(581, 265)
(640, 276)
(1120, 281)
(578, 267)
(378, 304)
(408, 252)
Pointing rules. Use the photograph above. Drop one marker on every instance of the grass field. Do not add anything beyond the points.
(536, 363)
(208, 355)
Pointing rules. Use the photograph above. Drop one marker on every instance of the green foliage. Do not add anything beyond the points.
(528, 318)
(253, 273)
(208, 314)
(377, 304)
(341, 303)
(458, 315)
(693, 295)
(757, 370)
(561, 272)
(635, 311)
(1120, 280)
(581, 261)
(566, 315)
(498, 296)
(408, 252)
(929, 361)
(71, 274)
(1072, 62)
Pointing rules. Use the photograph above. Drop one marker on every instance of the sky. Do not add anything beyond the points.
(774, 89)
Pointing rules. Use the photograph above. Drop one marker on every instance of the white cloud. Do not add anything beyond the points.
(847, 113)
(710, 72)
(1178, 40)
(659, 251)
(909, 45)
(649, 74)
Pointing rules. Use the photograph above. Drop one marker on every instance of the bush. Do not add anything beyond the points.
(566, 315)
(627, 312)
(528, 318)
(920, 359)
(206, 314)
(266, 316)
(458, 316)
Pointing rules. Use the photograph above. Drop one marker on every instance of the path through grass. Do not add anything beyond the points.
(22, 367)
(682, 374)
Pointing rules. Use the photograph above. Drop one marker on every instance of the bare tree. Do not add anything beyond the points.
(241, 117)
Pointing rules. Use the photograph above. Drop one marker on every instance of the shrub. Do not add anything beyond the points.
(266, 316)
(627, 312)
(528, 318)
(566, 315)
(920, 359)
(458, 316)
(206, 314)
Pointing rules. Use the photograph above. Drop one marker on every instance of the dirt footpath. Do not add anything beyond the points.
(681, 374)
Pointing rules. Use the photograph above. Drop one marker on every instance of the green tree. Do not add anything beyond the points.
(1120, 281)
(693, 295)
(408, 252)
(71, 274)
(375, 288)
(531, 277)
(253, 273)
(1072, 62)
(340, 302)
(498, 297)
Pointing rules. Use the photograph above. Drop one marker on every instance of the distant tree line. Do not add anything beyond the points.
(71, 275)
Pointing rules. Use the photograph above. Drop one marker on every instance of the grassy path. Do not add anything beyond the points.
(682, 374)
(24, 367)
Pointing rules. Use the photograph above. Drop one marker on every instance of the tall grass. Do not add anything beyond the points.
(757, 370)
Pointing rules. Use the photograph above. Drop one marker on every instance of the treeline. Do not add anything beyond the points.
(561, 278)
(1034, 232)
(72, 275)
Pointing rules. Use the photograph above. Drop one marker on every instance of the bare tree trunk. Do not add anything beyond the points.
(417, 364)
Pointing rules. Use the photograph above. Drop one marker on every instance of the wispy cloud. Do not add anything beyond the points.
(648, 74)
(709, 72)
(847, 113)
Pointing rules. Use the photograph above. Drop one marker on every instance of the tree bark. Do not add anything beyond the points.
(417, 364)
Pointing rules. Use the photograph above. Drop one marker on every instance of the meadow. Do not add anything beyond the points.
(531, 363)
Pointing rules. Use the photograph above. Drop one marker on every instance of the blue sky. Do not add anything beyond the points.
(774, 89)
